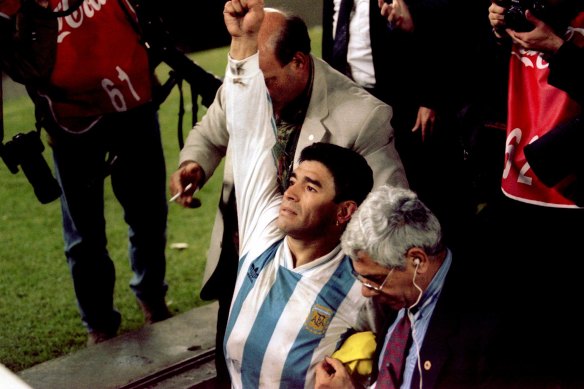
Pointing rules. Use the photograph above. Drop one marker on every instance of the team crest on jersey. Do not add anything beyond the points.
(318, 320)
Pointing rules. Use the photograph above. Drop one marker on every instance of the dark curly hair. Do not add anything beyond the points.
(353, 176)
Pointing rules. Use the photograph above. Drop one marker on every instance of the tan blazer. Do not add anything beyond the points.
(339, 112)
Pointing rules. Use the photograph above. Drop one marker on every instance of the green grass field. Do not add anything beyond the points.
(39, 317)
(38, 314)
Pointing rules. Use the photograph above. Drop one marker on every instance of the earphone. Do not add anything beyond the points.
(417, 263)
(411, 317)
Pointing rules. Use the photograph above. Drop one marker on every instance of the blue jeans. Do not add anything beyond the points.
(131, 142)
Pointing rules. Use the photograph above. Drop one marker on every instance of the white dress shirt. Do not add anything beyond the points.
(359, 56)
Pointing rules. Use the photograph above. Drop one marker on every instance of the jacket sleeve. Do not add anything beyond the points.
(377, 145)
(566, 71)
(327, 29)
(206, 143)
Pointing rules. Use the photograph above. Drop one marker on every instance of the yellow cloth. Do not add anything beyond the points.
(357, 353)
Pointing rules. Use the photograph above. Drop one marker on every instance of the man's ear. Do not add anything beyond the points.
(417, 258)
(300, 60)
(345, 210)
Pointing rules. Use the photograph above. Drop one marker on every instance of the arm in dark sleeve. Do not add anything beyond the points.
(567, 70)
(327, 30)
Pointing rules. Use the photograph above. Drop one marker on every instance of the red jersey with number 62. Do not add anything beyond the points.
(534, 108)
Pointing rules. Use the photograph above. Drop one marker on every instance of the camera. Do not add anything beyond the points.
(515, 13)
(26, 150)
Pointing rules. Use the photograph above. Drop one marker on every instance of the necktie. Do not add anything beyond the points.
(391, 369)
(341, 44)
(288, 125)
(283, 152)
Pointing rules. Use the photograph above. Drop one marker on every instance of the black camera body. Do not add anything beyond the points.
(515, 13)
(26, 150)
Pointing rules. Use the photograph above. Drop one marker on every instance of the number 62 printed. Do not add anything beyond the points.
(512, 141)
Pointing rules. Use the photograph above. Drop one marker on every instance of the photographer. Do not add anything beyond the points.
(563, 50)
(533, 228)
(96, 104)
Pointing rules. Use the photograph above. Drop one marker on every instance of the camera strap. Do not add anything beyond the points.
(33, 7)
(161, 48)
(33, 42)
(174, 79)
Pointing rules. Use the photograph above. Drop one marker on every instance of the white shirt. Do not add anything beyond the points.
(359, 55)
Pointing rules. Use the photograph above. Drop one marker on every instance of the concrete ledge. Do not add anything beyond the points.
(132, 356)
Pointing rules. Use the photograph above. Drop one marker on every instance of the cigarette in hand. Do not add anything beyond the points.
(176, 196)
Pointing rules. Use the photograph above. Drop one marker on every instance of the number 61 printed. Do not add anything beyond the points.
(115, 95)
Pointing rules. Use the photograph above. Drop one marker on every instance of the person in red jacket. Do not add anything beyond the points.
(96, 105)
(533, 228)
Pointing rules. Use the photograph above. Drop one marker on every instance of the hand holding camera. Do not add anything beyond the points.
(26, 150)
(511, 14)
(515, 11)
(529, 23)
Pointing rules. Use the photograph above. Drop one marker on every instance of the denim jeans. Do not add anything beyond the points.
(128, 147)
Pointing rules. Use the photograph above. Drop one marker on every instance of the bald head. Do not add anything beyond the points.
(284, 55)
(283, 34)
(272, 26)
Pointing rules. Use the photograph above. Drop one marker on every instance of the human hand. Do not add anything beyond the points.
(243, 19)
(542, 38)
(497, 19)
(425, 121)
(43, 3)
(397, 14)
(189, 173)
(331, 374)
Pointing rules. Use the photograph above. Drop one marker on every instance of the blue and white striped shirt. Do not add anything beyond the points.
(283, 319)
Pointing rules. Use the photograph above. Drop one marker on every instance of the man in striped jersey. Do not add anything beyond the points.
(295, 297)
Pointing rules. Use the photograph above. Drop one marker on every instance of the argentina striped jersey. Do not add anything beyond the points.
(283, 319)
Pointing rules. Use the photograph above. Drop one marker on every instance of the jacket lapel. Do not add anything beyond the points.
(442, 334)
(313, 129)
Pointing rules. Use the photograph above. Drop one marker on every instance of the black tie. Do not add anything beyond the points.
(341, 44)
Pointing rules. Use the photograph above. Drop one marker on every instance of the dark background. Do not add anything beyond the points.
(198, 24)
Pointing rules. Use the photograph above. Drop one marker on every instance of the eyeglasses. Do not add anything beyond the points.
(371, 285)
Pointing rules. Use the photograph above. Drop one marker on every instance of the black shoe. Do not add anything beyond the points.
(95, 337)
(154, 312)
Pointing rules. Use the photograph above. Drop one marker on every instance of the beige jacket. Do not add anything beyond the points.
(339, 112)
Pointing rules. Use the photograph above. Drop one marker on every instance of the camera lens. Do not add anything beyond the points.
(515, 19)
(26, 151)
(46, 188)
